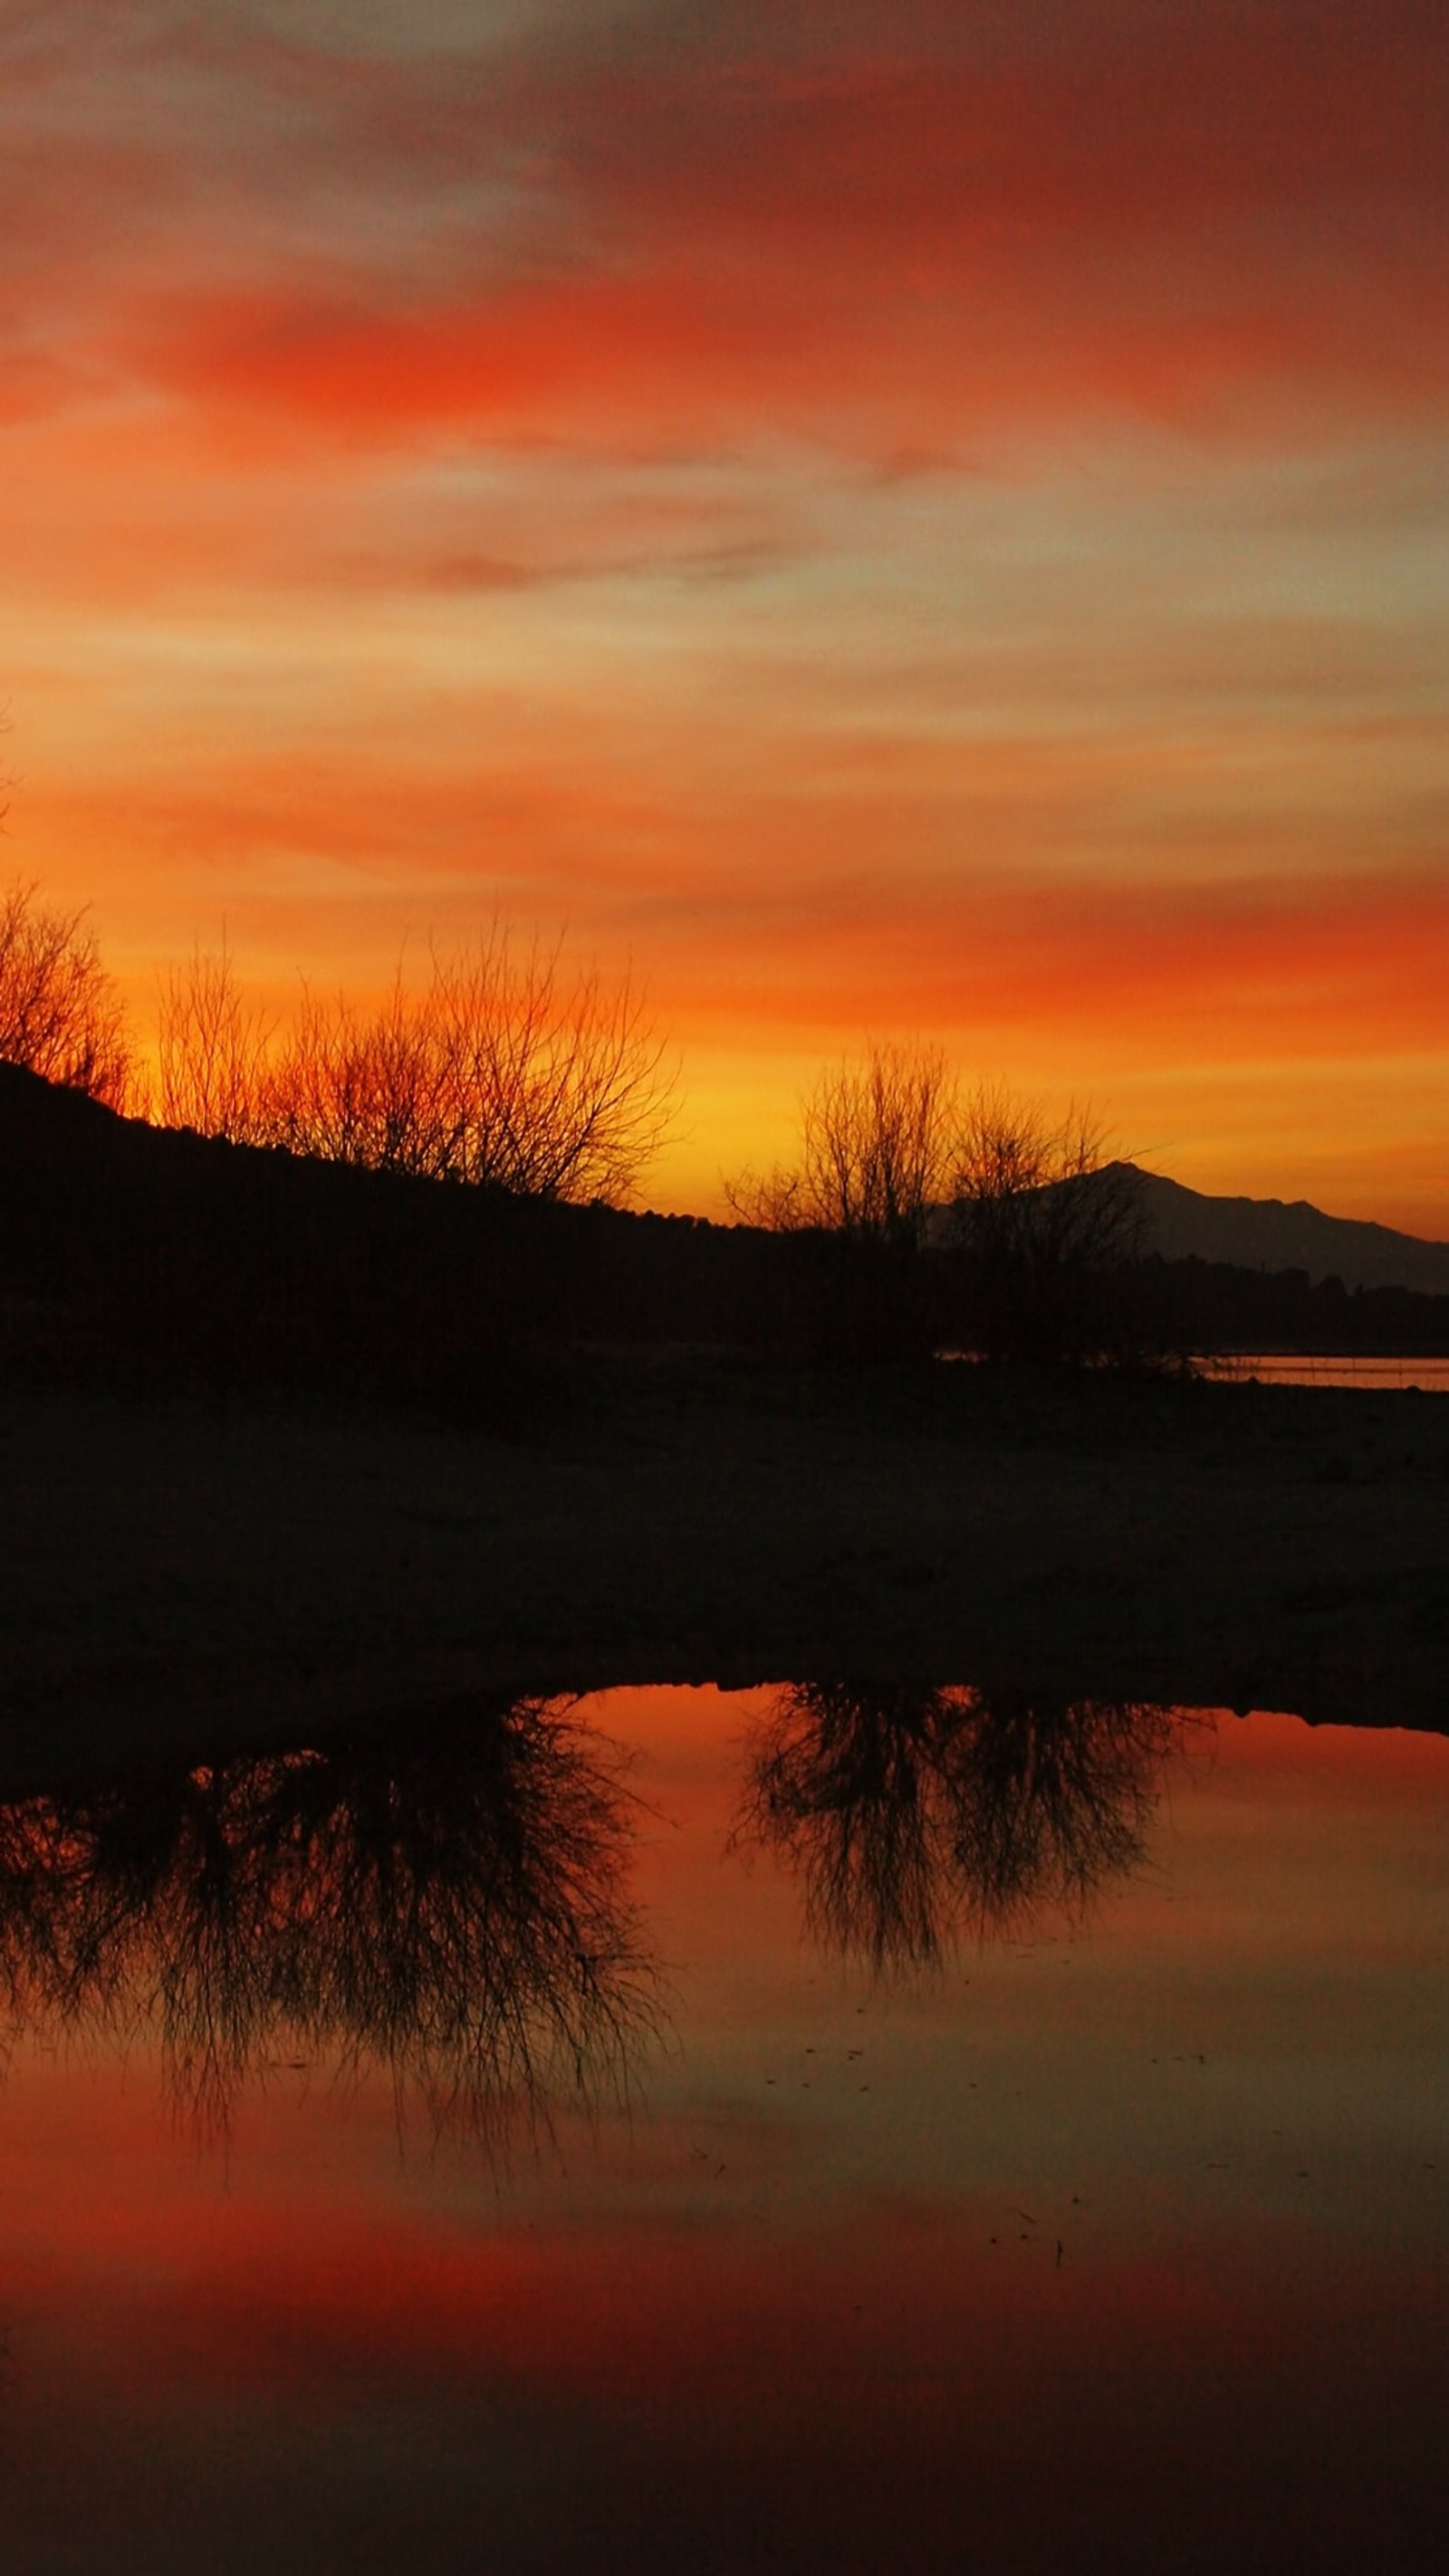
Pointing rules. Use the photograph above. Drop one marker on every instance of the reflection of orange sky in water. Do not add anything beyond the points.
(1250, 2246)
(893, 518)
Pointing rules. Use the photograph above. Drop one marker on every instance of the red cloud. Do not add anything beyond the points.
(1120, 800)
(881, 227)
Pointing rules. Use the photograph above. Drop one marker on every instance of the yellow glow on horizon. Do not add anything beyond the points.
(886, 536)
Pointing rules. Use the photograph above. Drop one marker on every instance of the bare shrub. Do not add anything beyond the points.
(558, 1087)
(60, 1012)
(876, 1146)
(1026, 1224)
(211, 1047)
(357, 1090)
(502, 1071)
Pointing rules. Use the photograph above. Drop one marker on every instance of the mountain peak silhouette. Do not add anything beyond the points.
(1278, 1234)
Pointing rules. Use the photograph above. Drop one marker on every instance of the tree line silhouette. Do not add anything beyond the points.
(420, 1199)
(506, 1070)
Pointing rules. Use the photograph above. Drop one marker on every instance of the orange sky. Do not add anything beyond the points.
(895, 517)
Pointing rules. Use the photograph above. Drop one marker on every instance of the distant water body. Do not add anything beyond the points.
(1290, 1368)
(1300, 1368)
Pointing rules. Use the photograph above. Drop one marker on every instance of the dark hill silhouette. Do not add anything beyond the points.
(153, 1249)
(157, 1255)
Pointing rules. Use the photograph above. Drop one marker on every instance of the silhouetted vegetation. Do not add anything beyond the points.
(1043, 1228)
(959, 1218)
(918, 1218)
(505, 1071)
(447, 1905)
(285, 1226)
(151, 1257)
(876, 1146)
(919, 1812)
(60, 1012)
(875, 1142)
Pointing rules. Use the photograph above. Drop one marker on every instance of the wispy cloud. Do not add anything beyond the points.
(912, 513)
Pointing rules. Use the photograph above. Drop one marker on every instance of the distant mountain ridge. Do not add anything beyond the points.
(1278, 1234)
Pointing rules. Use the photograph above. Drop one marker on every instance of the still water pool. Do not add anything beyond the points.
(813, 2128)
(1290, 1368)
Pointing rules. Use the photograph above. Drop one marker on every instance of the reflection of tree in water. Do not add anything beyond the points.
(448, 1906)
(913, 1812)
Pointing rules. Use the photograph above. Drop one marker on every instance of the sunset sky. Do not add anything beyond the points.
(916, 517)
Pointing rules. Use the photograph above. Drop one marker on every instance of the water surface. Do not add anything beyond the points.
(814, 2128)
(1299, 1368)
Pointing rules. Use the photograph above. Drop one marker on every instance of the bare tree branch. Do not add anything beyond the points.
(502, 1072)
(1044, 1216)
(876, 1140)
(60, 1012)
(211, 1049)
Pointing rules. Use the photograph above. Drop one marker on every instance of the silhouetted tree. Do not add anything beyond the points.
(876, 1151)
(211, 1048)
(502, 1071)
(60, 1012)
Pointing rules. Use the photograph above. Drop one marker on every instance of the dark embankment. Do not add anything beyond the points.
(182, 1572)
(285, 1446)
(147, 1259)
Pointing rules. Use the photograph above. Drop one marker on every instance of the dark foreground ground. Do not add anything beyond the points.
(184, 1570)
